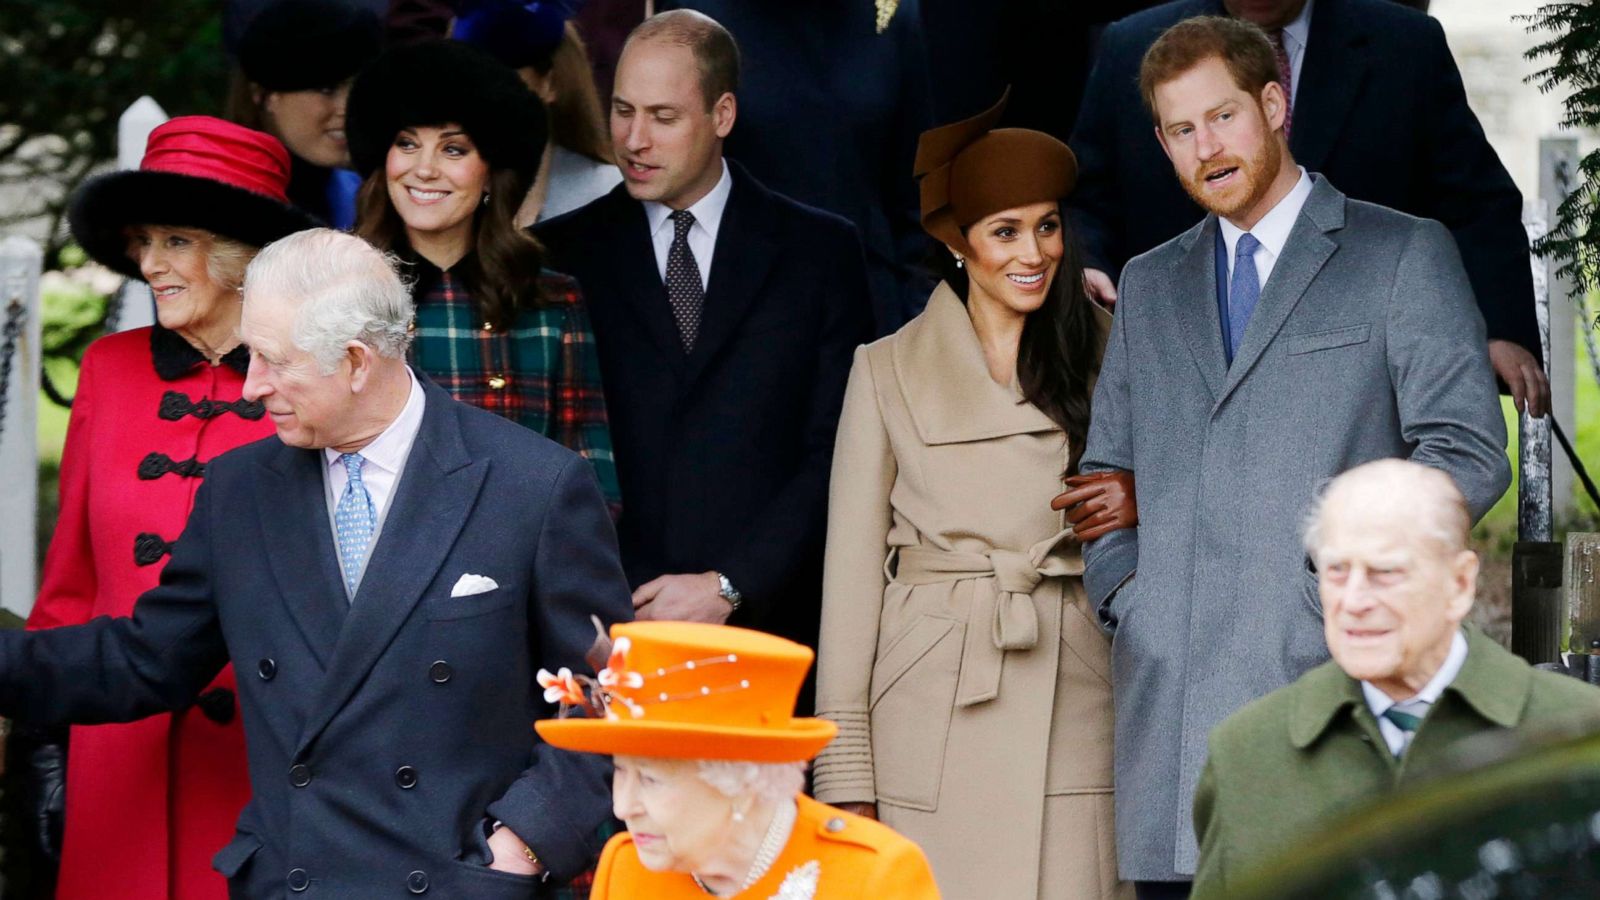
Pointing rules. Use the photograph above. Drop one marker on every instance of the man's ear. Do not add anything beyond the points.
(360, 358)
(1274, 105)
(1463, 585)
(724, 112)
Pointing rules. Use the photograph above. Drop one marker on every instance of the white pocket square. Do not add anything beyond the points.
(467, 585)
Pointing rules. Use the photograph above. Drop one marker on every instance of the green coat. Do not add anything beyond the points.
(1281, 767)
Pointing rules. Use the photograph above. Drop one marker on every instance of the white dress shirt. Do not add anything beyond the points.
(702, 234)
(1379, 702)
(1272, 231)
(385, 458)
(1295, 35)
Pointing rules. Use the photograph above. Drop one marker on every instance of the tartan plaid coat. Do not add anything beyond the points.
(541, 371)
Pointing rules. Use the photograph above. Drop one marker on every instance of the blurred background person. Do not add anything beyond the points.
(539, 42)
(296, 60)
(710, 762)
(149, 802)
(450, 139)
(955, 433)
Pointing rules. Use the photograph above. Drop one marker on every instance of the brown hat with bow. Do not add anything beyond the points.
(970, 169)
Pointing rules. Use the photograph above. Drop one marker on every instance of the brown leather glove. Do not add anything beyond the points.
(865, 810)
(1099, 503)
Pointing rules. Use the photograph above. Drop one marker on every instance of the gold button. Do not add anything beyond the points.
(497, 382)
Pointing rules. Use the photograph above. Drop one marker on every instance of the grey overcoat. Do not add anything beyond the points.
(1366, 343)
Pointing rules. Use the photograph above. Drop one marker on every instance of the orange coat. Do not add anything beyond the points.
(855, 857)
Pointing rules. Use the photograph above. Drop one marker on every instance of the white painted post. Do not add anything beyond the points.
(1534, 440)
(1558, 174)
(20, 262)
(133, 305)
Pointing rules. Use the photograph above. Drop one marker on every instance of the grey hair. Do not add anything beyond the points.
(1437, 508)
(772, 782)
(348, 290)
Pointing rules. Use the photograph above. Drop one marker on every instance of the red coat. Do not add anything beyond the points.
(148, 802)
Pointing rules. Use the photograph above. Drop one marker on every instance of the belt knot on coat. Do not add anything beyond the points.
(1002, 616)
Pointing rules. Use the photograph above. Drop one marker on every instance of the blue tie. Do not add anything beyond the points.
(354, 519)
(1243, 291)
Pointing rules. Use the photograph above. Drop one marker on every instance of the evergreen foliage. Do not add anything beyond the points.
(1574, 50)
(69, 68)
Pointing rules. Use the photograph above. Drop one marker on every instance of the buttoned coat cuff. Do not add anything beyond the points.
(842, 773)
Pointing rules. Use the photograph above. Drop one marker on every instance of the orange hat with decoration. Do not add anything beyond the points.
(689, 691)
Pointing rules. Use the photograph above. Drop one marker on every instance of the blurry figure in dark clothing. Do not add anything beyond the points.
(1040, 48)
(538, 41)
(296, 59)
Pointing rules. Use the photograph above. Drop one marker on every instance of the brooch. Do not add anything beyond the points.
(886, 10)
(801, 882)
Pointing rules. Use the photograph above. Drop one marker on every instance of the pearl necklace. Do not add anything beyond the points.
(771, 845)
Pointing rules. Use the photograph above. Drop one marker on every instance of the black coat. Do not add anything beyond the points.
(724, 454)
(1380, 111)
(382, 733)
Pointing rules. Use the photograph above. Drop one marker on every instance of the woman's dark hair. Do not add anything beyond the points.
(1058, 355)
(502, 275)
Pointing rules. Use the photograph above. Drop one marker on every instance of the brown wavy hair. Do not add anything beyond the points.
(502, 274)
(577, 118)
(1058, 355)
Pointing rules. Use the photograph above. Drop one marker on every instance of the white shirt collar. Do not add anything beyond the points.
(388, 451)
(1273, 229)
(1379, 702)
(1296, 33)
(707, 211)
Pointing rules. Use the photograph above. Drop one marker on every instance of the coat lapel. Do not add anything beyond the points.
(435, 495)
(293, 512)
(946, 383)
(1331, 77)
(637, 279)
(744, 255)
(1304, 254)
(1195, 281)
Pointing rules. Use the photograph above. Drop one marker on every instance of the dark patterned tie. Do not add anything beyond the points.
(685, 291)
(1286, 73)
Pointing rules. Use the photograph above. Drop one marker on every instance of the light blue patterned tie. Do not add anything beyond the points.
(1243, 291)
(354, 519)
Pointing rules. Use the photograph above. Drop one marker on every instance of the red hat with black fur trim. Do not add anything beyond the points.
(198, 172)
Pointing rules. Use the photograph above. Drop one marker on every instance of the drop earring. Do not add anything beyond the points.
(960, 263)
(485, 198)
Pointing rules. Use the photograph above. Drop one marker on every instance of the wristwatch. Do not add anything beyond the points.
(729, 593)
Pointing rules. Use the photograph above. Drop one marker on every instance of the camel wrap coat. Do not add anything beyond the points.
(959, 657)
